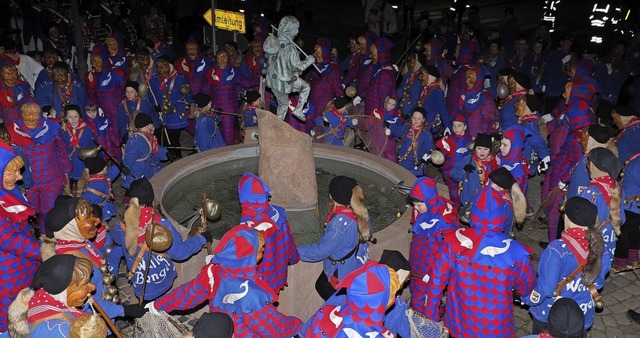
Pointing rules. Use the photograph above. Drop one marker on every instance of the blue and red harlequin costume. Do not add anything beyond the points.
(142, 157)
(340, 239)
(557, 262)
(103, 131)
(363, 72)
(105, 89)
(98, 191)
(409, 92)
(75, 138)
(437, 60)
(195, 71)
(432, 100)
(477, 106)
(49, 94)
(457, 83)
(533, 142)
(19, 250)
(428, 231)
(280, 249)
(361, 311)
(508, 112)
(207, 135)
(223, 89)
(162, 271)
(292, 120)
(383, 80)
(515, 161)
(380, 143)
(580, 115)
(415, 143)
(627, 140)
(47, 154)
(338, 123)
(454, 149)
(127, 111)
(481, 267)
(11, 99)
(476, 180)
(232, 285)
(325, 85)
(120, 59)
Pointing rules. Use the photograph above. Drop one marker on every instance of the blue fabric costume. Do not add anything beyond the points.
(142, 157)
(208, 134)
(162, 270)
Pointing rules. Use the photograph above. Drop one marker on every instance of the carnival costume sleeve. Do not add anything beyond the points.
(191, 294)
(437, 282)
(549, 274)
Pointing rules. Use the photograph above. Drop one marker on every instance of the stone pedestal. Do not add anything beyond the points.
(286, 164)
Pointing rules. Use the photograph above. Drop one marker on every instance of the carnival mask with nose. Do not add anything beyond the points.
(87, 224)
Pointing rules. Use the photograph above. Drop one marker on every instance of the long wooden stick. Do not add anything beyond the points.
(106, 318)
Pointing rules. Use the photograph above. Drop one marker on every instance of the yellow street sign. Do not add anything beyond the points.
(230, 21)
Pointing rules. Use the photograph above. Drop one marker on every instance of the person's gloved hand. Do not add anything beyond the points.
(125, 171)
(469, 168)
(426, 157)
(354, 122)
(312, 133)
(208, 236)
(547, 118)
(447, 132)
(326, 124)
(134, 310)
(562, 185)
(357, 100)
(387, 131)
(157, 108)
(544, 164)
(310, 60)
(151, 308)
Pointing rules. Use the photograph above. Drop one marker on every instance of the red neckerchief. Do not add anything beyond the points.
(68, 94)
(75, 133)
(12, 56)
(576, 239)
(545, 335)
(173, 73)
(412, 79)
(517, 94)
(144, 220)
(13, 208)
(487, 166)
(632, 122)
(528, 117)
(425, 90)
(604, 184)
(101, 177)
(64, 246)
(153, 140)
(340, 209)
(42, 306)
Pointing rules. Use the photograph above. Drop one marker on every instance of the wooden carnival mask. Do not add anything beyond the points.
(86, 222)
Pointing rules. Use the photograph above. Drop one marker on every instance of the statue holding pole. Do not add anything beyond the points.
(284, 67)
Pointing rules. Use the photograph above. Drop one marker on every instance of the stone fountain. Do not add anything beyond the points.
(179, 181)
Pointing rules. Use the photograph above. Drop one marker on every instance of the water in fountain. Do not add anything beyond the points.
(383, 206)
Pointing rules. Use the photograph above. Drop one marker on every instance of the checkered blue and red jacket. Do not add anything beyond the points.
(324, 87)
(11, 99)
